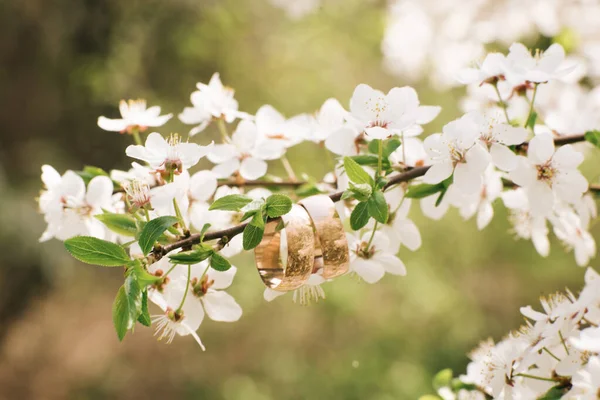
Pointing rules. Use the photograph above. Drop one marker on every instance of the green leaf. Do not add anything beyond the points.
(143, 277)
(127, 306)
(442, 379)
(96, 251)
(359, 216)
(390, 146)
(356, 173)
(531, 120)
(152, 231)
(199, 254)
(90, 173)
(248, 214)
(232, 202)
(144, 317)
(377, 207)
(219, 262)
(348, 194)
(373, 146)
(258, 219)
(555, 393)
(252, 236)
(122, 224)
(278, 205)
(366, 159)
(361, 191)
(593, 137)
(203, 231)
(423, 190)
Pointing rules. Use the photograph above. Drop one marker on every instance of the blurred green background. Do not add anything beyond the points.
(64, 63)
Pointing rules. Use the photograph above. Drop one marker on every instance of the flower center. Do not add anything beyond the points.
(200, 286)
(546, 173)
(364, 251)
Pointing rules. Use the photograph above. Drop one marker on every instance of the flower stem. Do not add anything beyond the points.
(223, 130)
(288, 168)
(147, 214)
(380, 158)
(372, 235)
(187, 287)
(501, 102)
(562, 339)
(136, 137)
(551, 354)
(539, 378)
(169, 271)
(178, 214)
(531, 104)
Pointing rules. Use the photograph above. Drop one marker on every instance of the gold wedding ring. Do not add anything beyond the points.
(331, 246)
(284, 272)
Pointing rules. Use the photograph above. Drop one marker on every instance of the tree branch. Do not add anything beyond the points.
(226, 235)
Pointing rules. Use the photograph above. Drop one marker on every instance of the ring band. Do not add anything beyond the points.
(331, 245)
(284, 272)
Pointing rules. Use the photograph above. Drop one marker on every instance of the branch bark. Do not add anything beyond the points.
(227, 234)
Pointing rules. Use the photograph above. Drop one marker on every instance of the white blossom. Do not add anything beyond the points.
(135, 116)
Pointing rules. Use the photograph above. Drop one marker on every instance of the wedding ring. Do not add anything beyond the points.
(331, 246)
(286, 253)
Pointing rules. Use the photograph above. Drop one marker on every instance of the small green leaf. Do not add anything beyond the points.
(390, 146)
(144, 317)
(127, 306)
(531, 120)
(199, 254)
(361, 191)
(555, 393)
(356, 173)
(248, 214)
(143, 277)
(442, 379)
(258, 219)
(96, 251)
(348, 194)
(366, 159)
(373, 146)
(278, 205)
(423, 190)
(377, 207)
(593, 137)
(232, 202)
(219, 263)
(152, 231)
(252, 236)
(203, 231)
(359, 216)
(122, 224)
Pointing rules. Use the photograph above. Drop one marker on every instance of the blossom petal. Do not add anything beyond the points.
(203, 185)
(112, 125)
(467, 179)
(221, 306)
(503, 157)
(253, 168)
(342, 142)
(391, 263)
(99, 191)
(438, 172)
(541, 148)
(369, 271)
(567, 157)
(221, 153)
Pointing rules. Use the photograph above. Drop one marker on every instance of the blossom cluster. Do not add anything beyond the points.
(157, 217)
(555, 355)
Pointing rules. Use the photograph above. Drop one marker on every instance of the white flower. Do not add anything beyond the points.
(568, 227)
(381, 116)
(69, 208)
(310, 291)
(330, 117)
(137, 172)
(431, 208)
(526, 225)
(411, 152)
(588, 340)
(135, 117)
(138, 192)
(496, 136)
(547, 175)
(493, 66)
(211, 101)
(400, 230)
(479, 203)
(245, 154)
(165, 156)
(586, 383)
(457, 152)
(542, 67)
(372, 262)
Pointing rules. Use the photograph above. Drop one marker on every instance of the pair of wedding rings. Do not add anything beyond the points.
(309, 239)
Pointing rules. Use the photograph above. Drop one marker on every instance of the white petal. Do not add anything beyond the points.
(467, 179)
(226, 169)
(567, 157)
(503, 157)
(222, 279)
(509, 135)
(438, 172)
(409, 234)
(245, 136)
(203, 185)
(253, 168)
(221, 306)
(426, 114)
(112, 125)
(391, 263)
(378, 132)
(369, 271)
(342, 142)
(541, 148)
(477, 158)
(221, 153)
(50, 177)
(270, 294)
(541, 199)
(99, 191)
(484, 215)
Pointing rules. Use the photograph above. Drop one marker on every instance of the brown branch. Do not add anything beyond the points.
(226, 235)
